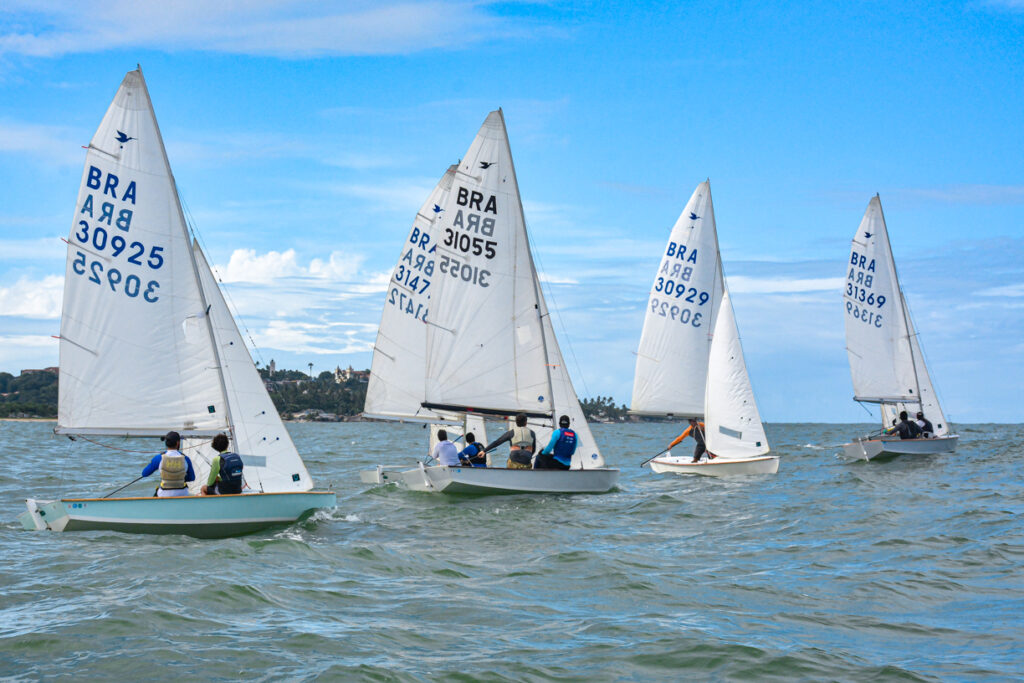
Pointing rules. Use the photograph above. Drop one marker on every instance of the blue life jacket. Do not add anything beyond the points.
(565, 446)
(230, 473)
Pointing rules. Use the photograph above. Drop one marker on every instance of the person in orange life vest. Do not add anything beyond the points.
(557, 455)
(696, 430)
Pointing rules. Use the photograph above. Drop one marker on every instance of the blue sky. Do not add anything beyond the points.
(304, 136)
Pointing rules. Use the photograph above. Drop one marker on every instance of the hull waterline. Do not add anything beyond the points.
(868, 449)
(198, 516)
(719, 467)
(494, 480)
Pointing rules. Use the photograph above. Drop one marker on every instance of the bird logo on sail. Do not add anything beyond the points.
(437, 209)
(123, 138)
(693, 216)
(486, 164)
(867, 235)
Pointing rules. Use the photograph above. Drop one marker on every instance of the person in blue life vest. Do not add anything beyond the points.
(225, 470)
(473, 454)
(175, 469)
(523, 444)
(557, 455)
(445, 452)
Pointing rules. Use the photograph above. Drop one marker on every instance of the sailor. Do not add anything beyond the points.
(523, 444)
(557, 455)
(175, 469)
(473, 453)
(225, 470)
(907, 429)
(696, 430)
(445, 452)
(926, 426)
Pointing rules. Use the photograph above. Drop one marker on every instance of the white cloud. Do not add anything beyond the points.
(38, 299)
(316, 338)
(290, 29)
(246, 266)
(53, 143)
(30, 250)
(22, 351)
(1006, 290)
(780, 285)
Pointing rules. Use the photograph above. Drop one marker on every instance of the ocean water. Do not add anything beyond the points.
(906, 570)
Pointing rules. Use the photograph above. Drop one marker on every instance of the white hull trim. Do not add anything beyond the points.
(719, 467)
(867, 449)
(199, 516)
(493, 480)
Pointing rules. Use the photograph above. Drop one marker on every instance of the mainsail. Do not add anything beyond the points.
(485, 342)
(877, 331)
(491, 346)
(397, 376)
(136, 357)
(672, 361)
(733, 426)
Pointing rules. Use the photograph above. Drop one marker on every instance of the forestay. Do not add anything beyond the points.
(877, 334)
(671, 365)
(135, 354)
(485, 343)
(272, 464)
(397, 376)
(565, 401)
(733, 424)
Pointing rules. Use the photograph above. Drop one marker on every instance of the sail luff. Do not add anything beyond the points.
(191, 253)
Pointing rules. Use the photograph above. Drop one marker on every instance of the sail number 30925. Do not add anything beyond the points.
(112, 277)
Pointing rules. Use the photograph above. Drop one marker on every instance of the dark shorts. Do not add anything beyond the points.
(548, 462)
(520, 457)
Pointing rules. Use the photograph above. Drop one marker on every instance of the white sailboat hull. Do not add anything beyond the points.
(866, 449)
(198, 516)
(719, 467)
(494, 480)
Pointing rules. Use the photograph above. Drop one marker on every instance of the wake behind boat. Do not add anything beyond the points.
(886, 362)
(486, 347)
(148, 346)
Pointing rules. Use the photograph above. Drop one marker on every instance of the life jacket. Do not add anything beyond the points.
(230, 473)
(565, 446)
(522, 438)
(173, 470)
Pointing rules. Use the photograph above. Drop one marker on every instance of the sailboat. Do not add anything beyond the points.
(886, 361)
(690, 361)
(489, 347)
(148, 345)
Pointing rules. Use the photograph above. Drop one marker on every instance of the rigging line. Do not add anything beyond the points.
(920, 347)
(558, 312)
(126, 450)
(233, 309)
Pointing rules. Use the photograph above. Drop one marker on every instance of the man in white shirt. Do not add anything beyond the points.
(445, 452)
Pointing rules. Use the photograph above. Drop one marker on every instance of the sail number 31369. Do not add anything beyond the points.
(865, 315)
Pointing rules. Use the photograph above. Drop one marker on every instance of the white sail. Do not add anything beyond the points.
(396, 387)
(566, 402)
(671, 364)
(272, 464)
(929, 403)
(877, 333)
(135, 354)
(485, 343)
(732, 422)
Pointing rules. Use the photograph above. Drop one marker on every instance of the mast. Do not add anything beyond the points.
(192, 259)
(903, 304)
(533, 271)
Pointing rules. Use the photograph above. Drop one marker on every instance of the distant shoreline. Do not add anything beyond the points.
(28, 419)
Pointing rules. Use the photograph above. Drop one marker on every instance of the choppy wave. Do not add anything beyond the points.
(906, 570)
